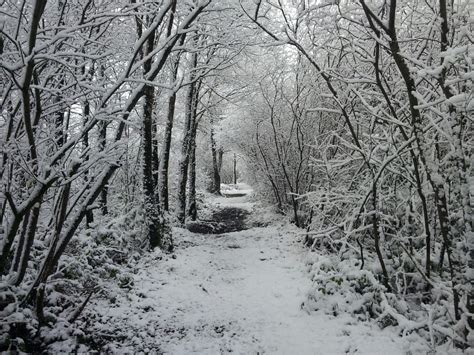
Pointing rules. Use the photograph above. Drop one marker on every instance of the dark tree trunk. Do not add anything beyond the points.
(28, 243)
(153, 216)
(192, 204)
(163, 168)
(85, 142)
(235, 169)
(102, 126)
(216, 163)
(18, 215)
(220, 156)
(59, 120)
(275, 190)
(102, 141)
(190, 118)
(58, 245)
(163, 163)
(415, 160)
(376, 233)
(21, 243)
(156, 159)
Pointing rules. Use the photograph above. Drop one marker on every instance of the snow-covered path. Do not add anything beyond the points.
(240, 292)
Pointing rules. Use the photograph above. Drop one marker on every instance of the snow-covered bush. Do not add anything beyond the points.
(341, 287)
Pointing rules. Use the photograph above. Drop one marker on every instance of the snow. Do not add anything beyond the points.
(234, 191)
(240, 292)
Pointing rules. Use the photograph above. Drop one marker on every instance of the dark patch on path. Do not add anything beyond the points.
(226, 220)
(234, 194)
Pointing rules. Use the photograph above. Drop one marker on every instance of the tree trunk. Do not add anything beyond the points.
(192, 205)
(59, 120)
(216, 163)
(153, 216)
(165, 153)
(275, 190)
(102, 128)
(155, 156)
(85, 142)
(376, 233)
(59, 244)
(21, 243)
(190, 112)
(235, 169)
(28, 243)
(415, 161)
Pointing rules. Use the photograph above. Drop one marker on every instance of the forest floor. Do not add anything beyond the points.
(236, 283)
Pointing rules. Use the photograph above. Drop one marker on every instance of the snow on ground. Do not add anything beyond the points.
(240, 292)
(234, 196)
(237, 189)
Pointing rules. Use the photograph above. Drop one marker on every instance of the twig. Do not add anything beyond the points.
(417, 266)
(78, 312)
(9, 198)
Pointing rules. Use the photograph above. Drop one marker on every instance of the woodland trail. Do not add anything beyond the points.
(240, 291)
